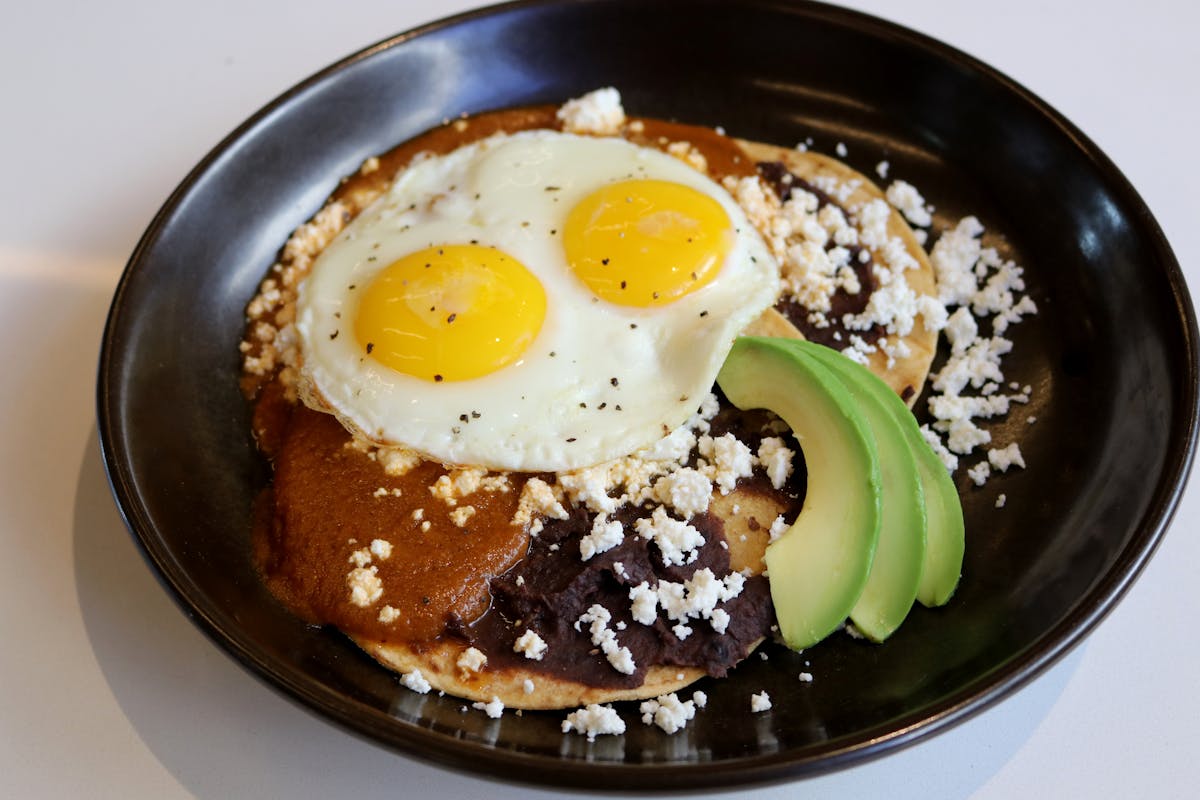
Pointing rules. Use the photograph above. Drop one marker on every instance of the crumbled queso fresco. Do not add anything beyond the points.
(980, 296)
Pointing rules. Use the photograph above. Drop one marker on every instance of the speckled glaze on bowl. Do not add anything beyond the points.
(1112, 360)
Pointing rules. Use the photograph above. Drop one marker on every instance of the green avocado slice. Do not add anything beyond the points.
(944, 527)
(819, 567)
(895, 575)
(945, 536)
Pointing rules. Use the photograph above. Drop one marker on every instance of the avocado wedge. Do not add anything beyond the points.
(900, 555)
(820, 566)
(944, 528)
(945, 539)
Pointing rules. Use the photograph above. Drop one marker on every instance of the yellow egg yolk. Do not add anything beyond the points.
(647, 242)
(450, 313)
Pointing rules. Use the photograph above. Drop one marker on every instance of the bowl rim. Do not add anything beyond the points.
(979, 694)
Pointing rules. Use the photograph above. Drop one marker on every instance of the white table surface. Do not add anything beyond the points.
(106, 690)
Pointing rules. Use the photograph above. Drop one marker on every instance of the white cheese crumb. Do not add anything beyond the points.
(1001, 500)
(396, 461)
(686, 490)
(538, 499)
(643, 603)
(675, 446)
(776, 459)
(598, 112)
(932, 311)
(677, 541)
(388, 615)
(530, 645)
(494, 708)
(682, 631)
(597, 618)
(760, 702)
(381, 549)
(961, 330)
(605, 535)
(905, 198)
(461, 515)
(699, 698)
(668, 712)
(416, 681)
(778, 528)
(471, 660)
(882, 168)
(365, 586)
(589, 487)
(594, 720)
(1006, 457)
(953, 257)
(979, 473)
(963, 436)
(464, 481)
(697, 597)
(360, 558)
(841, 149)
(527, 686)
(806, 677)
(731, 459)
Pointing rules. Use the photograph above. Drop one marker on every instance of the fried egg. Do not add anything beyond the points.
(538, 301)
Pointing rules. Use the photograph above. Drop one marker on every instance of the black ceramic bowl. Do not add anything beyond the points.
(1111, 358)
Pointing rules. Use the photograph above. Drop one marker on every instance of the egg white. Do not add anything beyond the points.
(600, 380)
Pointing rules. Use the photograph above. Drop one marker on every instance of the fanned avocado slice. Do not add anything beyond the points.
(895, 575)
(944, 528)
(945, 539)
(820, 566)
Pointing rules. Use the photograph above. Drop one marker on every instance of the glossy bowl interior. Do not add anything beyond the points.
(1111, 358)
